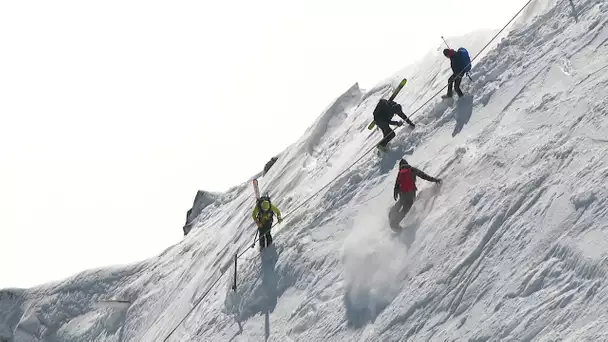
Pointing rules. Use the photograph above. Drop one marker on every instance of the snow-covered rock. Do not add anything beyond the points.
(201, 201)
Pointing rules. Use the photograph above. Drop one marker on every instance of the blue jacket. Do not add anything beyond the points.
(460, 62)
(456, 63)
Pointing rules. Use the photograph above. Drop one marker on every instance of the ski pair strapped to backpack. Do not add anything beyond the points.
(256, 190)
(393, 95)
(258, 198)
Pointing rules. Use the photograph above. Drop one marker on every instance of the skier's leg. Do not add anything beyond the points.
(450, 83)
(266, 232)
(393, 215)
(262, 238)
(400, 213)
(457, 85)
(407, 201)
(388, 133)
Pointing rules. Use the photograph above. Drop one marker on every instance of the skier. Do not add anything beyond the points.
(461, 64)
(383, 116)
(405, 187)
(263, 215)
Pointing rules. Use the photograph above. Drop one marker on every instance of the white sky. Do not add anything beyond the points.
(113, 113)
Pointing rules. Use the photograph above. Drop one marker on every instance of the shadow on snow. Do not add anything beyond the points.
(463, 112)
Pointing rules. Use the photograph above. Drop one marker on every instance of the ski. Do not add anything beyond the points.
(256, 190)
(393, 95)
(398, 89)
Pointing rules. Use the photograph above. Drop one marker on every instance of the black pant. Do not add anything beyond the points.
(406, 201)
(389, 134)
(265, 237)
(455, 79)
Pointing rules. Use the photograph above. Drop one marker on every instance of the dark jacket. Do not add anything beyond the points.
(457, 64)
(385, 110)
(415, 173)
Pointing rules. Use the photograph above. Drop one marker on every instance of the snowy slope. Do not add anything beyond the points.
(513, 245)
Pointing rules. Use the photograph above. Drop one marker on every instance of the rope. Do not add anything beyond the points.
(338, 176)
(195, 305)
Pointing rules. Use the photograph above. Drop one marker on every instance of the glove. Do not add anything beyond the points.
(412, 125)
(395, 194)
(438, 181)
(279, 219)
(399, 123)
(259, 223)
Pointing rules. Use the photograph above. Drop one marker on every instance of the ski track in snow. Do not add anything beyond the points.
(512, 246)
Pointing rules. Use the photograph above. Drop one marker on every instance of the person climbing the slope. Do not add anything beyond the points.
(263, 215)
(405, 187)
(461, 64)
(383, 116)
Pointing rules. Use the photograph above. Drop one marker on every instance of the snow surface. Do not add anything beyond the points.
(513, 246)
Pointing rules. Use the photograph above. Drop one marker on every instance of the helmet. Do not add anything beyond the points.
(449, 53)
(265, 205)
(403, 162)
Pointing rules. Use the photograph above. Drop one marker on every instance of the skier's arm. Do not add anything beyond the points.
(254, 215)
(409, 122)
(399, 111)
(454, 65)
(277, 212)
(424, 176)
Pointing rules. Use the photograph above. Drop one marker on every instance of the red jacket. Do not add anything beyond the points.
(406, 179)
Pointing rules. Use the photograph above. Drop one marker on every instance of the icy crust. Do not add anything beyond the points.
(511, 247)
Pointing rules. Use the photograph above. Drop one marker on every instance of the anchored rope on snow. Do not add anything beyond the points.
(299, 205)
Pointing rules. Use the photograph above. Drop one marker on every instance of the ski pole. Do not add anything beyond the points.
(446, 43)
(255, 238)
(236, 257)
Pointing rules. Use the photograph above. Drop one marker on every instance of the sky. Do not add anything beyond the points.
(113, 114)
